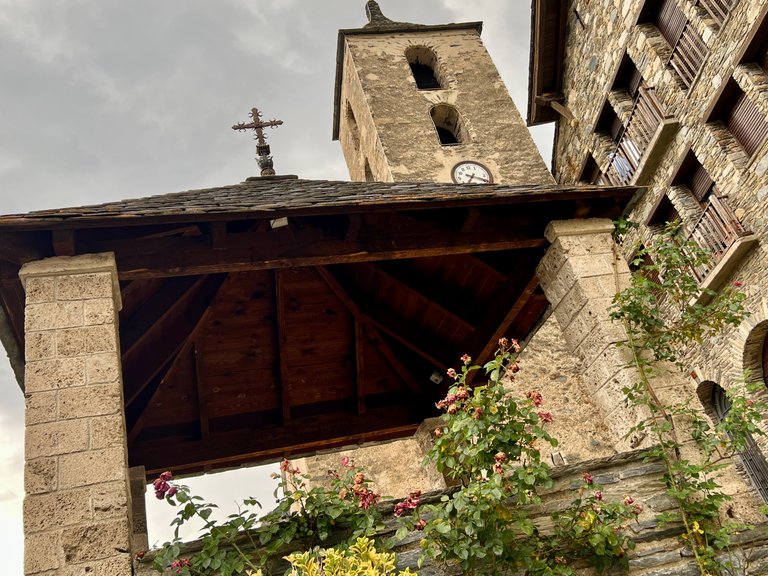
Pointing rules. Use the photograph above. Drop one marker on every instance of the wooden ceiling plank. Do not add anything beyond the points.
(134, 294)
(426, 301)
(496, 325)
(167, 336)
(359, 374)
(365, 321)
(183, 351)
(282, 344)
(202, 404)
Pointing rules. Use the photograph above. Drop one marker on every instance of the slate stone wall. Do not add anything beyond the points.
(600, 32)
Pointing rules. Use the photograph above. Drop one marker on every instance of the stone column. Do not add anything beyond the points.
(77, 511)
(580, 274)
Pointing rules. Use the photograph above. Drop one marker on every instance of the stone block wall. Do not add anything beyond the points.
(392, 129)
(77, 510)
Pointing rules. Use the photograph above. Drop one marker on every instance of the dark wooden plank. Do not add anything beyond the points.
(362, 319)
(281, 337)
(359, 374)
(165, 338)
(301, 437)
(202, 401)
(63, 242)
(308, 247)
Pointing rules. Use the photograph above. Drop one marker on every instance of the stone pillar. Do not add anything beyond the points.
(77, 511)
(580, 274)
(137, 477)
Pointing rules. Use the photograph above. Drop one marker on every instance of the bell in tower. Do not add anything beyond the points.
(426, 103)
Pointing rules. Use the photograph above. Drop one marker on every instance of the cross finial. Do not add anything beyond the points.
(262, 148)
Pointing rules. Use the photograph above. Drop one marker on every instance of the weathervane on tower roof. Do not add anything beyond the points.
(262, 148)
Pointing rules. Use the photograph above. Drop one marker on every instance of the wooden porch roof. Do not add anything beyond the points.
(283, 316)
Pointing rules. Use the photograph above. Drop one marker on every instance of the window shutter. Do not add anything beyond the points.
(747, 123)
(699, 182)
(670, 21)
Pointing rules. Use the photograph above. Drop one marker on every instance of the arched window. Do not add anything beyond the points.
(754, 462)
(765, 360)
(448, 125)
(354, 131)
(423, 63)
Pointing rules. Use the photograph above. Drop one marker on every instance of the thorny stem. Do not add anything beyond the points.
(671, 457)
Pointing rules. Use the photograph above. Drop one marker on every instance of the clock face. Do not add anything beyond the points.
(471, 173)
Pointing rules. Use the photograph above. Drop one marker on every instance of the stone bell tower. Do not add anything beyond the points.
(426, 103)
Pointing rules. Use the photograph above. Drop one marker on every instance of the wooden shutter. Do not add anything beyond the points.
(746, 122)
(670, 21)
(699, 182)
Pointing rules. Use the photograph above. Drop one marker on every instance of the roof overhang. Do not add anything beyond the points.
(283, 316)
(393, 28)
(545, 83)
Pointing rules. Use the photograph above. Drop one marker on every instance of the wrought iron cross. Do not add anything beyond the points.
(262, 148)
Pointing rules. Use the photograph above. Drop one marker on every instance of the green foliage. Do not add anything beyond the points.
(489, 442)
(664, 310)
(360, 559)
(246, 541)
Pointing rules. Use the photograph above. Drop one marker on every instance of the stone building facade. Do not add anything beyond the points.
(672, 95)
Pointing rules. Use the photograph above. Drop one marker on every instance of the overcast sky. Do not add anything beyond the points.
(106, 99)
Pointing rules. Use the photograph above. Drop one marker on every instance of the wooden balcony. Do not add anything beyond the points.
(717, 231)
(638, 138)
(688, 55)
(718, 10)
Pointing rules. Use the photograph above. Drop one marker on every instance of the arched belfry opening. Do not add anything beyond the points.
(448, 125)
(423, 63)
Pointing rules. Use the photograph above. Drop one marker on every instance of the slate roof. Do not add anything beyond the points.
(275, 196)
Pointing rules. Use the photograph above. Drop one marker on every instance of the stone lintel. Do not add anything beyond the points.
(583, 227)
(71, 265)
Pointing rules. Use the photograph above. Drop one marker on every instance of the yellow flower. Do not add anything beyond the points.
(696, 528)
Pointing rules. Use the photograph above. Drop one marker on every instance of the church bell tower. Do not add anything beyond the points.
(426, 103)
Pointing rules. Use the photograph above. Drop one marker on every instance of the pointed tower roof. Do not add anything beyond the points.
(380, 24)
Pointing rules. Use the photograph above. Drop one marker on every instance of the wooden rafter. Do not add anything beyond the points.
(187, 347)
(364, 320)
(166, 337)
(425, 300)
(359, 374)
(497, 322)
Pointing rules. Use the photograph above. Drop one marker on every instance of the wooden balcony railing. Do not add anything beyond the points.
(646, 117)
(688, 54)
(718, 10)
(716, 230)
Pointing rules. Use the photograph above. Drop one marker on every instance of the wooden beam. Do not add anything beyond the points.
(217, 235)
(300, 437)
(283, 248)
(282, 346)
(497, 322)
(359, 375)
(166, 337)
(426, 301)
(63, 242)
(202, 405)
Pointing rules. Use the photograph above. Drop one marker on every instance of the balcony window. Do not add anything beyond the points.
(688, 48)
(718, 10)
(757, 51)
(717, 228)
(634, 139)
(744, 120)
